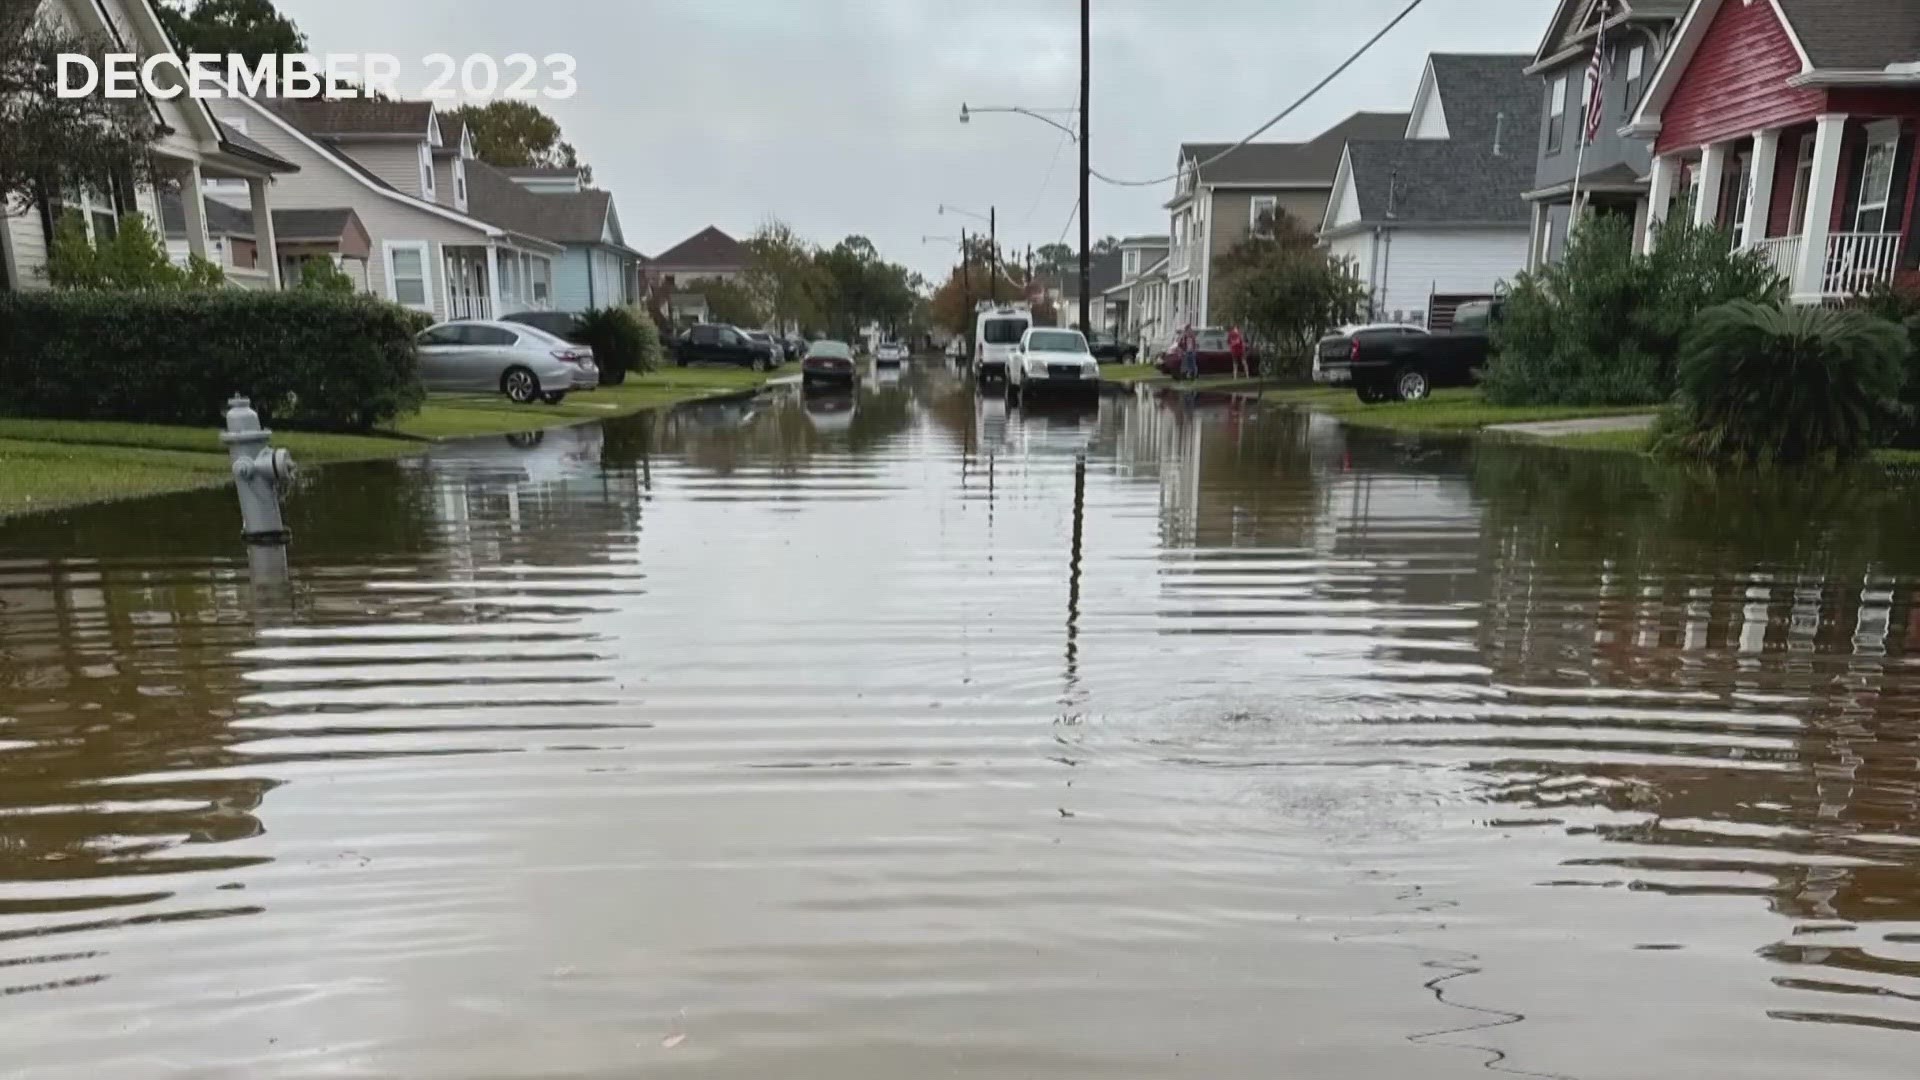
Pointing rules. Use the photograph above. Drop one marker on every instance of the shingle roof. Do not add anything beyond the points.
(708, 248)
(1441, 182)
(1316, 160)
(355, 116)
(575, 217)
(311, 224)
(1856, 35)
(225, 219)
(239, 141)
(1561, 33)
(1488, 95)
(540, 170)
(1147, 241)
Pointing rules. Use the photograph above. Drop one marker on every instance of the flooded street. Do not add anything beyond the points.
(903, 735)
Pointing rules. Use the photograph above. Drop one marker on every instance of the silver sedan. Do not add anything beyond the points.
(525, 364)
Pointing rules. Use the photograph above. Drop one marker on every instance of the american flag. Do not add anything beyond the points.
(1597, 74)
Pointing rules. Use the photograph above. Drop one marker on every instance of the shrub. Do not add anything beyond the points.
(320, 274)
(307, 359)
(1604, 325)
(1287, 293)
(653, 353)
(614, 334)
(134, 257)
(1786, 385)
(1901, 305)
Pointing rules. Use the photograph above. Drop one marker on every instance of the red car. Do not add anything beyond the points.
(1212, 356)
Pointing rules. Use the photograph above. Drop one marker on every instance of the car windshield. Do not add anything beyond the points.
(831, 349)
(1064, 341)
(538, 335)
(1213, 339)
(1003, 331)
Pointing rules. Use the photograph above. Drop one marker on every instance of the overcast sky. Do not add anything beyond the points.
(842, 116)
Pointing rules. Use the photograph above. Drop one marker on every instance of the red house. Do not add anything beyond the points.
(1792, 122)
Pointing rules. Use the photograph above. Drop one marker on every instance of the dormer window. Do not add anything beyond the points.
(426, 168)
(460, 182)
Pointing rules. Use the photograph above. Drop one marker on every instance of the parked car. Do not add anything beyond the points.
(718, 343)
(1212, 357)
(479, 356)
(1405, 363)
(890, 353)
(1049, 360)
(565, 325)
(1111, 350)
(794, 347)
(774, 348)
(828, 362)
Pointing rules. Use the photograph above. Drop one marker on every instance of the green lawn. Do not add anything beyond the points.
(454, 416)
(306, 445)
(1129, 373)
(1446, 410)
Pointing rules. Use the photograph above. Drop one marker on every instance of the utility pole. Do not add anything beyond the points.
(966, 297)
(993, 242)
(1086, 232)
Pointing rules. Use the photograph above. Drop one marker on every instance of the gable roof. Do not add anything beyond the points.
(1855, 35)
(357, 117)
(1438, 182)
(1159, 240)
(708, 248)
(225, 219)
(1311, 162)
(1487, 96)
(1569, 26)
(573, 217)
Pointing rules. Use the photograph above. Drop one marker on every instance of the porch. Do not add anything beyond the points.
(1829, 202)
(486, 281)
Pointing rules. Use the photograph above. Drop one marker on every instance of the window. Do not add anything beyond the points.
(540, 271)
(460, 181)
(1556, 113)
(426, 169)
(1876, 178)
(1802, 181)
(408, 277)
(1130, 264)
(490, 335)
(1264, 206)
(706, 335)
(1062, 341)
(1636, 78)
(439, 335)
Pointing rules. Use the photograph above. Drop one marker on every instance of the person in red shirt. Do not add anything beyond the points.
(1237, 345)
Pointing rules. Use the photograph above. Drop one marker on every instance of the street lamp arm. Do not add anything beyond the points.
(966, 115)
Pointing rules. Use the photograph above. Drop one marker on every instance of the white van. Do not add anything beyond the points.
(997, 330)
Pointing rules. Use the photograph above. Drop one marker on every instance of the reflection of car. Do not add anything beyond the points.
(1050, 360)
(565, 325)
(827, 362)
(519, 361)
(890, 353)
(831, 412)
(1212, 357)
(718, 343)
(1111, 350)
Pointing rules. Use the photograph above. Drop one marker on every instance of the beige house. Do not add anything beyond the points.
(389, 161)
(196, 148)
(1217, 202)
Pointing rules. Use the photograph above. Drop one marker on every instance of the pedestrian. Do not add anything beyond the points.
(1189, 353)
(1237, 345)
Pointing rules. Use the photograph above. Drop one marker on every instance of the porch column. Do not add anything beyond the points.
(1535, 256)
(195, 211)
(263, 238)
(493, 282)
(1666, 175)
(1713, 167)
(1766, 149)
(1809, 279)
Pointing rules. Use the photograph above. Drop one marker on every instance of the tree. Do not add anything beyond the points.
(860, 287)
(786, 276)
(54, 144)
(249, 28)
(1106, 245)
(729, 301)
(134, 257)
(319, 273)
(1055, 259)
(517, 135)
(1286, 292)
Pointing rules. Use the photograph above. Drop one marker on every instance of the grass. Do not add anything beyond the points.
(308, 446)
(1129, 373)
(1632, 442)
(1446, 410)
(460, 416)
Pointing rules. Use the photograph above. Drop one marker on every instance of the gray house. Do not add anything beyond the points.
(1614, 168)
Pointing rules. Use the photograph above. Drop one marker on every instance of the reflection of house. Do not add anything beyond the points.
(1792, 123)
(1217, 203)
(1614, 166)
(1436, 218)
(193, 148)
(336, 235)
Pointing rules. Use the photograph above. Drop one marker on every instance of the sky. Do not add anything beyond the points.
(842, 116)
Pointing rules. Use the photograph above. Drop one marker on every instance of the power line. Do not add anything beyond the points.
(1284, 113)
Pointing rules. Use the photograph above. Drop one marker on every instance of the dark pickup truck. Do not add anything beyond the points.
(1108, 349)
(1398, 363)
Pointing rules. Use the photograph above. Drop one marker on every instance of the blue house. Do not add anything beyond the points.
(597, 269)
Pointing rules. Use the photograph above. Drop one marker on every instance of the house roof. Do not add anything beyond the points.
(238, 143)
(1313, 161)
(1148, 241)
(1440, 182)
(540, 170)
(225, 219)
(337, 117)
(1488, 96)
(1570, 19)
(1103, 273)
(1855, 35)
(572, 217)
(708, 248)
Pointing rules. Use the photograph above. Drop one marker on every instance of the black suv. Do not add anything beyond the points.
(718, 343)
(564, 325)
(1111, 350)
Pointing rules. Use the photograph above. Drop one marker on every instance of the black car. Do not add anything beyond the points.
(1111, 350)
(565, 325)
(1405, 363)
(718, 343)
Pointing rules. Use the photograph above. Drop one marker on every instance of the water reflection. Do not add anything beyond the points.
(899, 731)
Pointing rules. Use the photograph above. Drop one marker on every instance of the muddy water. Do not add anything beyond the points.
(904, 736)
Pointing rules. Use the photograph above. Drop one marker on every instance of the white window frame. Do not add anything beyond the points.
(1272, 203)
(1882, 134)
(1130, 264)
(1636, 72)
(425, 248)
(460, 183)
(426, 169)
(1802, 180)
(1557, 113)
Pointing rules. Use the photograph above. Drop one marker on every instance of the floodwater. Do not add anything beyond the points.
(904, 736)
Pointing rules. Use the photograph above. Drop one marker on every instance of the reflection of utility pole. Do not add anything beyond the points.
(993, 243)
(1074, 562)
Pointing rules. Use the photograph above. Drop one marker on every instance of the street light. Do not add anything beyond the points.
(966, 116)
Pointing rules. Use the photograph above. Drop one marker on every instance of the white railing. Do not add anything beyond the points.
(1856, 262)
(1783, 252)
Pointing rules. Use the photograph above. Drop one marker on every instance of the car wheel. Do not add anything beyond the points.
(520, 385)
(553, 399)
(1411, 385)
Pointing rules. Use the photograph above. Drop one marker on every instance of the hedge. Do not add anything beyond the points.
(307, 359)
